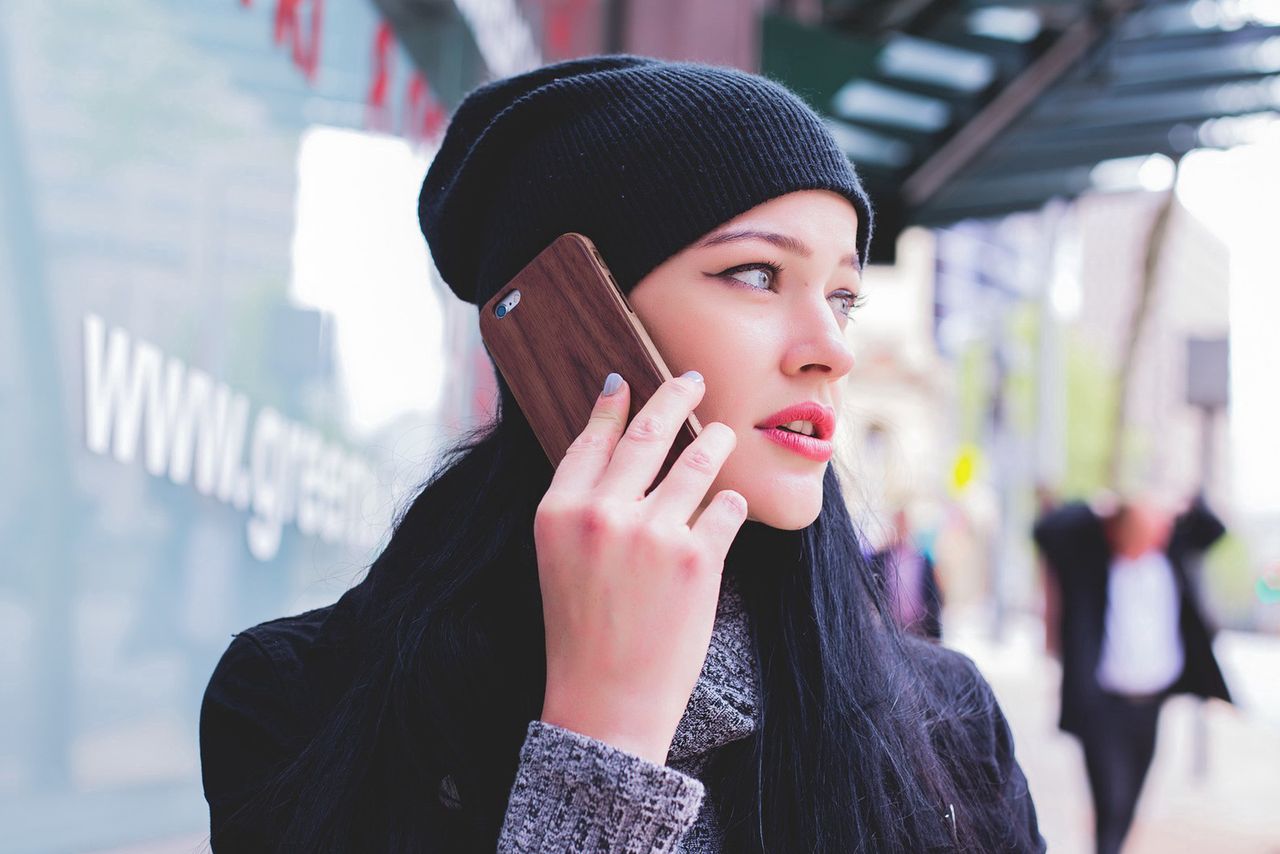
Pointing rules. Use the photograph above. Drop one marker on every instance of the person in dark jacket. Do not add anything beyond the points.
(556, 660)
(1130, 632)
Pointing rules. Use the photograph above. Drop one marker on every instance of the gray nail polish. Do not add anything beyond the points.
(692, 375)
(612, 383)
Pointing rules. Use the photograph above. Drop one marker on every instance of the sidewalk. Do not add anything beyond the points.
(1233, 808)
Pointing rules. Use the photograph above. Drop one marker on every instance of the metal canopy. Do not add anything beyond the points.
(954, 110)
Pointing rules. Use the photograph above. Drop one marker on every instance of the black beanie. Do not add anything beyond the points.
(641, 155)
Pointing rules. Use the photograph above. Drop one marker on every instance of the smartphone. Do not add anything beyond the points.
(557, 329)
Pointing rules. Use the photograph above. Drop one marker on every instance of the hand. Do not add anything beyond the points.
(630, 582)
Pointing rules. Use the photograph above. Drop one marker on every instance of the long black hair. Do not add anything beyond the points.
(855, 746)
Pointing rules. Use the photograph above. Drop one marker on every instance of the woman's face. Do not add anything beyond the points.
(760, 308)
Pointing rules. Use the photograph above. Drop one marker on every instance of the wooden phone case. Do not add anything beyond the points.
(572, 327)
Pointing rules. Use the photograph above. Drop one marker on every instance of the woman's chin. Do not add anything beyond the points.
(784, 515)
(786, 497)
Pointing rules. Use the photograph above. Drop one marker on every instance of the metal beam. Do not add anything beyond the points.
(1016, 98)
(1192, 103)
(1076, 149)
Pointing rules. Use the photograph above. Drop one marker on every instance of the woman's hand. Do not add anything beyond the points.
(629, 587)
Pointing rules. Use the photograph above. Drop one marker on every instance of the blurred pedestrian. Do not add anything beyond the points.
(1131, 633)
(910, 581)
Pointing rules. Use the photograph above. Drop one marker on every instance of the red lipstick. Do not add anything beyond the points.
(817, 447)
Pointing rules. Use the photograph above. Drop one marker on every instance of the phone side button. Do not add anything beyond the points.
(625, 302)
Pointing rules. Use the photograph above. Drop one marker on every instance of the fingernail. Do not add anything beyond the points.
(692, 375)
(612, 383)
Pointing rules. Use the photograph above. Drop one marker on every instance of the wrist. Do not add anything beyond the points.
(627, 733)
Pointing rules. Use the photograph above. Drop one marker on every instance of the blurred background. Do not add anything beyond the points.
(226, 358)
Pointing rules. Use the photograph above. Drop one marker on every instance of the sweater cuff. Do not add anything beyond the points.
(573, 793)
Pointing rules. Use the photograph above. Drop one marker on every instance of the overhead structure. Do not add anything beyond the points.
(954, 110)
(459, 44)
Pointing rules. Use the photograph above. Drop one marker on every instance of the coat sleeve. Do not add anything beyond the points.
(1006, 814)
(576, 794)
(1062, 531)
(244, 739)
(571, 793)
(1014, 793)
(1198, 528)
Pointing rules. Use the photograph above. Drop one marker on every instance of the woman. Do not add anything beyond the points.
(553, 661)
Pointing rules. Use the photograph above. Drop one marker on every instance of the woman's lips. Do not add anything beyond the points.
(812, 447)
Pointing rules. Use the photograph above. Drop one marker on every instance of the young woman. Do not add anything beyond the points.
(555, 661)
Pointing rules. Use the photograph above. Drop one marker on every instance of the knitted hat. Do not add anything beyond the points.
(641, 155)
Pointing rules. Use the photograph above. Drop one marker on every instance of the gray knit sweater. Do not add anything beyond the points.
(575, 794)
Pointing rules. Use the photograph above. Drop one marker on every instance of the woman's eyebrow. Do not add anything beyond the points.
(782, 241)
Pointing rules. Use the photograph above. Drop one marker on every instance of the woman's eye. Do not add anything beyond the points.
(757, 276)
(846, 302)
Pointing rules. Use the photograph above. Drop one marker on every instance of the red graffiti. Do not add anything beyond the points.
(561, 21)
(424, 118)
(304, 42)
(377, 114)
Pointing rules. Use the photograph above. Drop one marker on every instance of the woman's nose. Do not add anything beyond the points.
(816, 341)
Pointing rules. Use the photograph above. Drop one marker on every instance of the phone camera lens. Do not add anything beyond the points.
(501, 310)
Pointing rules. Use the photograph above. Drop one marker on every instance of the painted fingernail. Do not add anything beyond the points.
(612, 383)
(692, 375)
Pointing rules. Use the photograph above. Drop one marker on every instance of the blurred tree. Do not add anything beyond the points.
(1142, 308)
(1091, 396)
(1228, 583)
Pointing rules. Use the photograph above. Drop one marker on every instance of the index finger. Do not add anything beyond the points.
(588, 455)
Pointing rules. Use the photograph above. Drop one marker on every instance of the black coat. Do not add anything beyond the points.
(1074, 544)
(277, 682)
